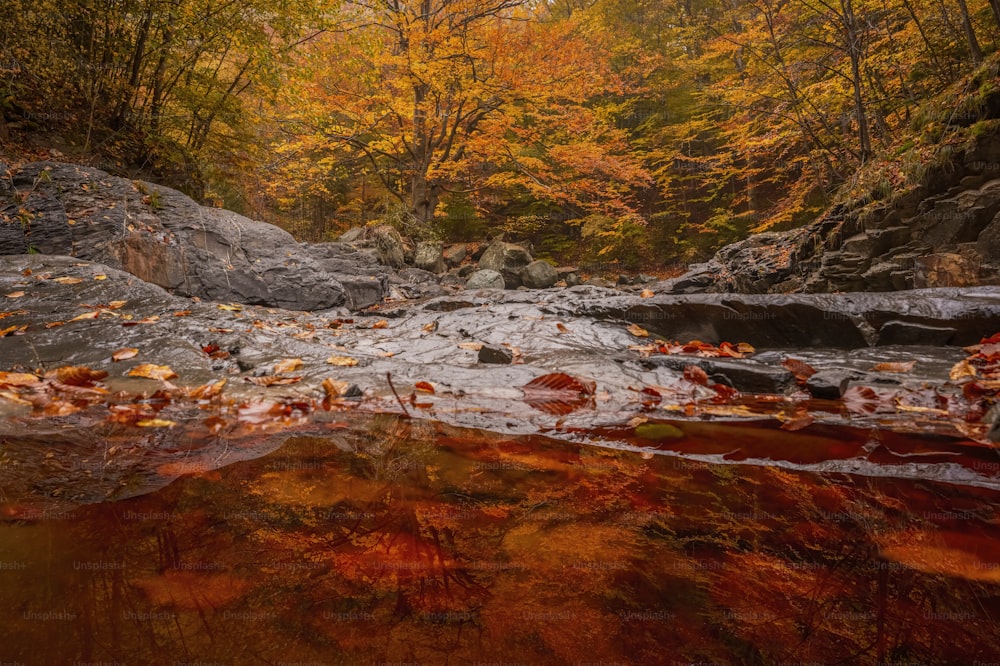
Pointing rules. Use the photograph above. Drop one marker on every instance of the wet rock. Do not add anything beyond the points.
(912, 333)
(455, 254)
(163, 237)
(485, 279)
(945, 269)
(746, 377)
(495, 354)
(351, 235)
(507, 259)
(428, 257)
(539, 275)
(572, 280)
(466, 270)
(829, 384)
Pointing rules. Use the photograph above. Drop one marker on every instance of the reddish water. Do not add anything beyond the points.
(410, 542)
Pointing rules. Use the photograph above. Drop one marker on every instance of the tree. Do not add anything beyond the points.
(445, 96)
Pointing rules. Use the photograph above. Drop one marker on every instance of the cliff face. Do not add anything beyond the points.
(944, 232)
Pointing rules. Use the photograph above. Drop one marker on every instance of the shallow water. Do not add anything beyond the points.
(387, 540)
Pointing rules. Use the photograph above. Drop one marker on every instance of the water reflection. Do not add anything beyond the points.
(398, 541)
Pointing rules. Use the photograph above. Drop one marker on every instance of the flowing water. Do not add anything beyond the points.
(384, 540)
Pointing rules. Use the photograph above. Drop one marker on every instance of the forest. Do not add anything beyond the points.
(640, 131)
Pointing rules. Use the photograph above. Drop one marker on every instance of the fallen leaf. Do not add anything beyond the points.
(101, 276)
(424, 387)
(894, 367)
(559, 393)
(430, 327)
(474, 346)
(561, 328)
(13, 330)
(116, 305)
(13, 397)
(800, 369)
(156, 423)
(696, 375)
(18, 379)
(151, 371)
(207, 391)
(93, 314)
(334, 388)
(231, 308)
(68, 280)
(637, 331)
(76, 375)
(125, 354)
(220, 330)
(961, 370)
(182, 313)
(272, 380)
(55, 324)
(15, 294)
(381, 323)
(344, 361)
(287, 365)
(646, 293)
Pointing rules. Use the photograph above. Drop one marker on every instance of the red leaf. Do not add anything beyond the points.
(800, 369)
(861, 400)
(558, 393)
(693, 373)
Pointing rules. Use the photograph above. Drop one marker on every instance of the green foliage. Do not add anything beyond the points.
(460, 222)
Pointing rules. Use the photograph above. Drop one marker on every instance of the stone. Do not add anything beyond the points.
(495, 354)
(485, 279)
(829, 384)
(428, 256)
(351, 235)
(507, 259)
(743, 376)
(455, 254)
(539, 275)
(163, 237)
(945, 269)
(389, 244)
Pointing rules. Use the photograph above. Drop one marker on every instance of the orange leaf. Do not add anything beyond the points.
(344, 361)
(646, 293)
(287, 365)
(15, 294)
(150, 371)
(894, 367)
(93, 314)
(272, 380)
(961, 370)
(561, 328)
(17, 379)
(68, 280)
(637, 331)
(76, 375)
(334, 388)
(125, 354)
(207, 391)
(800, 369)
(695, 374)
(381, 323)
(156, 423)
(425, 387)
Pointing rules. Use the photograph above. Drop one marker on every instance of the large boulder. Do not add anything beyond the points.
(428, 257)
(539, 275)
(163, 237)
(507, 259)
(485, 279)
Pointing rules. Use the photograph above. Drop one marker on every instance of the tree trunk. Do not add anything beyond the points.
(970, 34)
(852, 39)
(424, 198)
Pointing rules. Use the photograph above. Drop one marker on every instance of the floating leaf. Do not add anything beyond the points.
(343, 361)
(151, 371)
(894, 367)
(637, 331)
(287, 365)
(125, 354)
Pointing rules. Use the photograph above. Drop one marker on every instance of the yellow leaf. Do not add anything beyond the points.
(101, 276)
(231, 308)
(156, 423)
(288, 365)
(638, 331)
(474, 346)
(115, 305)
(345, 361)
(125, 354)
(961, 370)
(15, 330)
(17, 379)
(151, 371)
(93, 314)
(68, 280)
(207, 391)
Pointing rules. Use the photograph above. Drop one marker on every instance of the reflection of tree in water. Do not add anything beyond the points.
(402, 540)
